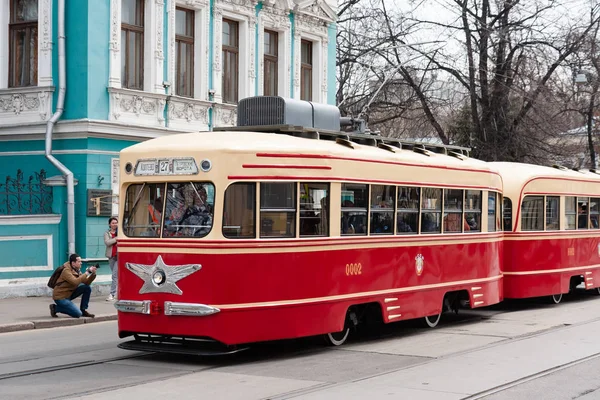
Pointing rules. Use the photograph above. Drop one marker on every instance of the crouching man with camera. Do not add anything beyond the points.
(70, 285)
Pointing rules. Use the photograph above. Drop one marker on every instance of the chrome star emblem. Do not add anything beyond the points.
(160, 277)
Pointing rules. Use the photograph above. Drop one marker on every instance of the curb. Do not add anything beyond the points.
(54, 323)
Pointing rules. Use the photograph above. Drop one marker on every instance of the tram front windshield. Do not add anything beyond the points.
(183, 209)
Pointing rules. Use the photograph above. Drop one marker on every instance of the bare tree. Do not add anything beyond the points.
(502, 59)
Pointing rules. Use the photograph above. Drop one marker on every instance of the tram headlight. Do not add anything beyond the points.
(205, 165)
(159, 277)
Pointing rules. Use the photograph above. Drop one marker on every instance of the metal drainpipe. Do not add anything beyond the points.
(62, 88)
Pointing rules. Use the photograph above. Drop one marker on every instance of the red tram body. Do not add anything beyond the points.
(554, 243)
(299, 237)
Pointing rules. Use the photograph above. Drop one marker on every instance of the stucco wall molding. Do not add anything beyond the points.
(24, 105)
(137, 107)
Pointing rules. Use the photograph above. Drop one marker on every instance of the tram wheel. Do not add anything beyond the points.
(556, 298)
(338, 338)
(433, 320)
(598, 290)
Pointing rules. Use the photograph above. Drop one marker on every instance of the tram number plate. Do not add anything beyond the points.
(354, 269)
(163, 166)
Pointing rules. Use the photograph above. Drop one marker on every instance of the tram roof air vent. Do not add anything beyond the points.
(275, 110)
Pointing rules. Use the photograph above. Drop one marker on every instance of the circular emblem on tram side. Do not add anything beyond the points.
(419, 264)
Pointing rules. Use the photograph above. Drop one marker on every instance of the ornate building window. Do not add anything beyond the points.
(132, 42)
(23, 37)
(306, 73)
(230, 60)
(271, 63)
(184, 50)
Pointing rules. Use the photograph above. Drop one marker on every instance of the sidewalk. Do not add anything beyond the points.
(23, 313)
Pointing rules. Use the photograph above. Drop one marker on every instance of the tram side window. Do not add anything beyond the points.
(278, 209)
(594, 213)
(453, 211)
(239, 211)
(431, 210)
(532, 213)
(552, 213)
(507, 214)
(582, 213)
(382, 209)
(473, 210)
(491, 222)
(314, 209)
(571, 212)
(354, 209)
(189, 209)
(407, 220)
(143, 210)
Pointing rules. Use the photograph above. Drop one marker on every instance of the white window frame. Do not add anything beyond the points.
(45, 44)
(201, 34)
(247, 28)
(318, 69)
(153, 45)
(283, 55)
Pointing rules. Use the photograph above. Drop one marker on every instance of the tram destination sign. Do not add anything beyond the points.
(166, 166)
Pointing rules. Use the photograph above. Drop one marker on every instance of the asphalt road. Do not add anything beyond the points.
(519, 350)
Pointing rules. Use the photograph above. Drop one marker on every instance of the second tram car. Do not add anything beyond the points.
(240, 236)
(552, 237)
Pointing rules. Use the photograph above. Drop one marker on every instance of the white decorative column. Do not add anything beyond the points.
(297, 62)
(217, 72)
(251, 88)
(324, 58)
(45, 43)
(114, 78)
(157, 53)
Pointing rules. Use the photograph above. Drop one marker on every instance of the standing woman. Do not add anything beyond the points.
(110, 240)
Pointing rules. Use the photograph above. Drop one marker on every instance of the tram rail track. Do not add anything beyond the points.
(54, 368)
(475, 396)
(328, 385)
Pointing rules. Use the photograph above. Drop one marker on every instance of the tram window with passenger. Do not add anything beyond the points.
(354, 209)
(473, 210)
(143, 210)
(314, 209)
(382, 209)
(453, 211)
(239, 211)
(188, 209)
(582, 213)
(278, 209)
(594, 213)
(552, 213)
(407, 220)
(431, 210)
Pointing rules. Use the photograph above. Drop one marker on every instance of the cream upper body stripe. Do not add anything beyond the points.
(352, 295)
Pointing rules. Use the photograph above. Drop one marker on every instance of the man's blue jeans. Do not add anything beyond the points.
(66, 306)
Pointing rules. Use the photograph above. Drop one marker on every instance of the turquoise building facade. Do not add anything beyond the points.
(104, 112)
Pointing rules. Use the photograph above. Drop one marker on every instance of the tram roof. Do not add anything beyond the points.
(515, 176)
(247, 142)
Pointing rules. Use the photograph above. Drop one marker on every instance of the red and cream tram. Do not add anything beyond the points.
(552, 240)
(239, 236)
